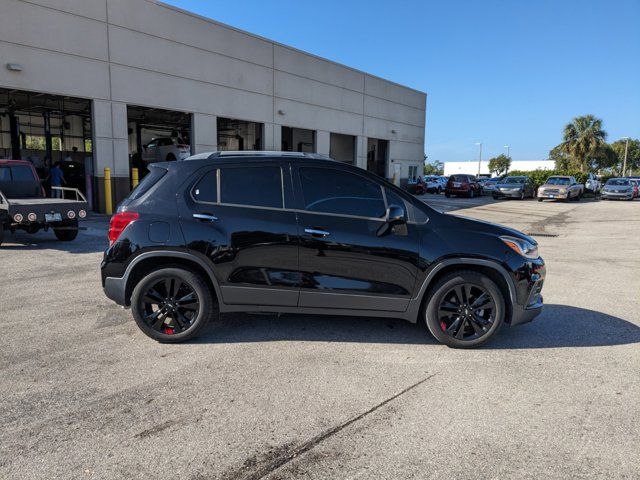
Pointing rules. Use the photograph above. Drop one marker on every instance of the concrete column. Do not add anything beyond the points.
(269, 137)
(277, 137)
(204, 133)
(110, 149)
(323, 142)
(361, 152)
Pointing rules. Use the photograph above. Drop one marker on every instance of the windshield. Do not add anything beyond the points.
(557, 181)
(515, 180)
(618, 181)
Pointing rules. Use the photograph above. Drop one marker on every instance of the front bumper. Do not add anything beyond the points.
(529, 301)
(553, 195)
(507, 194)
(616, 196)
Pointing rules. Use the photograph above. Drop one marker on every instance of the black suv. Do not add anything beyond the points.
(277, 232)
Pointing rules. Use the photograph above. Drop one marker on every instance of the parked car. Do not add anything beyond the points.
(560, 188)
(165, 149)
(635, 183)
(490, 185)
(462, 186)
(24, 205)
(514, 187)
(312, 236)
(592, 184)
(434, 183)
(617, 189)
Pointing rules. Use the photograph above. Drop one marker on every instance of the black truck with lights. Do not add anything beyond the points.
(24, 205)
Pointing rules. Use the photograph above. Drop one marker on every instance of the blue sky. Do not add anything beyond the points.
(501, 72)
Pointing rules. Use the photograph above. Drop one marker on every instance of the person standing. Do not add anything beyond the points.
(57, 179)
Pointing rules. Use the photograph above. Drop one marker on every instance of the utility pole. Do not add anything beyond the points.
(626, 149)
(479, 157)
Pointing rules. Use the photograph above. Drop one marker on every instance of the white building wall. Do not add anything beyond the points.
(471, 167)
(142, 52)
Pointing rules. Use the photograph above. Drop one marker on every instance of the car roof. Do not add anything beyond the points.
(7, 161)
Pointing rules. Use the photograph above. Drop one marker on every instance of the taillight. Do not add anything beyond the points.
(119, 222)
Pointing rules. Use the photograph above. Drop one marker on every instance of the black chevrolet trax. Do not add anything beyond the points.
(278, 232)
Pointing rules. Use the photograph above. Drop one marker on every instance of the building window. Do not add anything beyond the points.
(239, 134)
(413, 173)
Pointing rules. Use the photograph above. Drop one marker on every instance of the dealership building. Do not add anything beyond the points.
(119, 83)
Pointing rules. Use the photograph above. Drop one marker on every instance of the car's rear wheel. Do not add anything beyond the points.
(465, 309)
(172, 305)
(471, 193)
(67, 232)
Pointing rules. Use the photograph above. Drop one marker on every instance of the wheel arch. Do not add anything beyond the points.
(491, 268)
(147, 262)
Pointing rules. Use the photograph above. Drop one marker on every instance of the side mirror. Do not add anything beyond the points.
(395, 215)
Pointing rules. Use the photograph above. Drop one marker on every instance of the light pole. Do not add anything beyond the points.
(626, 148)
(508, 151)
(479, 157)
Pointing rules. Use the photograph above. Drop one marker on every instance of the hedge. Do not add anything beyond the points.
(540, 176)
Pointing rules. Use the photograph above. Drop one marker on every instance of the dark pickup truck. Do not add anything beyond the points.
(24, 205)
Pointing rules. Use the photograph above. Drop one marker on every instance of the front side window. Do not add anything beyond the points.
(329, 190)
(251, 186)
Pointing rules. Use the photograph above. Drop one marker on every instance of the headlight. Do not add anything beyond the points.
(521, 247)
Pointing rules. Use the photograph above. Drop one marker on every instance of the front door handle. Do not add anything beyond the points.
(205, 217)
(316, 232)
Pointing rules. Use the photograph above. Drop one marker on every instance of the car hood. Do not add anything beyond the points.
(481, 227)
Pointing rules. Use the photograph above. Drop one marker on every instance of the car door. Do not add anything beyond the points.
(349, 258)
(235, 215)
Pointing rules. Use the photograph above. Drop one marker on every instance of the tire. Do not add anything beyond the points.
(65, 235)
(539, 199)
(471, 193)
(522, 195)
(179, 324)
(1, 233)
(171, 157)
(446, 194)
(439, 190)
(441, 300)
(495, 197)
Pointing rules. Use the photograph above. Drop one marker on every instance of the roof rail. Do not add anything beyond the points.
(258, 153)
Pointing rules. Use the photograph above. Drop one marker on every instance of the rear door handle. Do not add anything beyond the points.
(316, 232)
(205, 217)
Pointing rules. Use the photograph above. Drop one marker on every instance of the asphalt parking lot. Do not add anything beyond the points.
(84, 394)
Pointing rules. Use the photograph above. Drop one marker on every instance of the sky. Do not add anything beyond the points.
(495, 71)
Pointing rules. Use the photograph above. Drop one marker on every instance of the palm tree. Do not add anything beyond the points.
(584, 139)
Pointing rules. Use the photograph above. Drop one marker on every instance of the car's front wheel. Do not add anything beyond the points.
(172, 305)
(465, 309)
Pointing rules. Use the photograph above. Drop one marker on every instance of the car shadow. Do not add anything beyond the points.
(84, 243)
(557, 327)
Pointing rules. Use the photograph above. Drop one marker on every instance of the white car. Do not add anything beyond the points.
(592, 183)
(434, 183)
(165, 149)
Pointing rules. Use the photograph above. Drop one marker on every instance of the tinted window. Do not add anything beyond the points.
(459, 178)
(515, 180)
(5, 174)
(206, 190)
(22, 173)
(147, 182)
(255, 186)
(336, 191)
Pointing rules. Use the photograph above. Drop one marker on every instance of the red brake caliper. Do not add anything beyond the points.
(168, 330)
(443, 326)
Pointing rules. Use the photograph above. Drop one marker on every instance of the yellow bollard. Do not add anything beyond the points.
(134, 178)
(108, 207)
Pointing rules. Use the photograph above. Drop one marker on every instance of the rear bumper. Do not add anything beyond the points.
(115, 289)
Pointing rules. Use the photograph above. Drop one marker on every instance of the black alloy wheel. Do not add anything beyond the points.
(465, 310)
(172, 304)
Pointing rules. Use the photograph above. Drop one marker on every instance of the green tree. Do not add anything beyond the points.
(633, 154)
(583, 139)
(434, 168)
(563, 160)
(499, 164)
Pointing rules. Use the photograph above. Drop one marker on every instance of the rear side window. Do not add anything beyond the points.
(206, 190)
(147, 182)
(329, 190)
(251, 186)
(5, 174)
